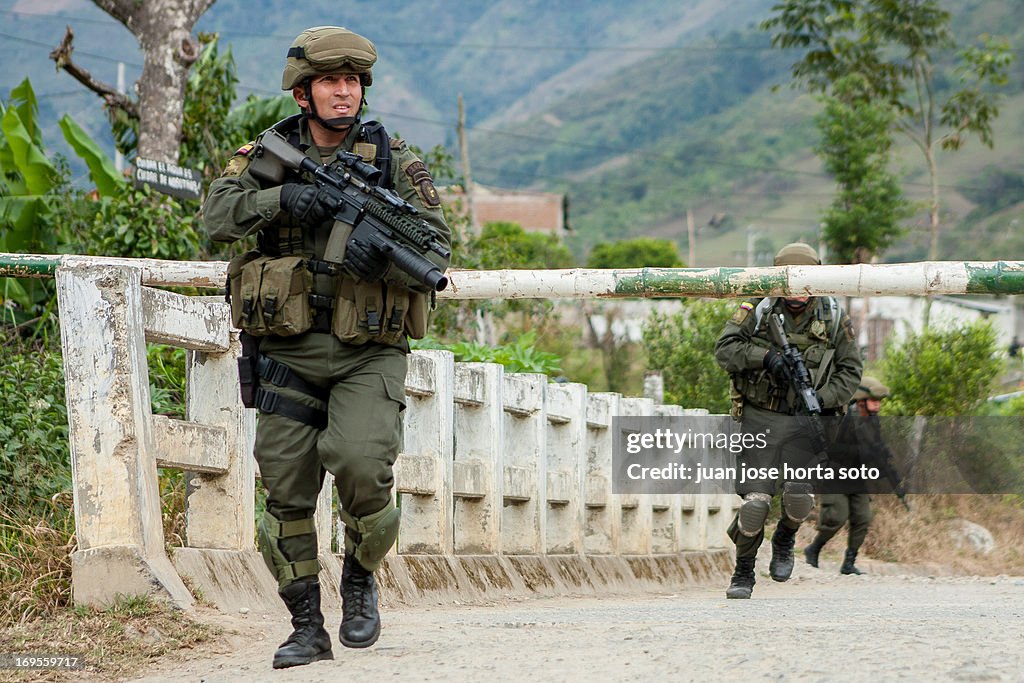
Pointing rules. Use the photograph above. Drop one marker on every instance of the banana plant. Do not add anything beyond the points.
(33, 192)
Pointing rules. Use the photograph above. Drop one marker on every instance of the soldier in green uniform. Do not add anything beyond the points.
(764, 402)
(324, 347)
(838, 508)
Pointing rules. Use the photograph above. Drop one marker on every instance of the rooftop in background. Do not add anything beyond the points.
(533, 211)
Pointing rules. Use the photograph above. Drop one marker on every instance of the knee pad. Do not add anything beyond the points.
(370, 537)
(269, 532)
(753, 513)
(797, 501)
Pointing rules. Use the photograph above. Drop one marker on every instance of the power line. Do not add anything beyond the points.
(49, 47)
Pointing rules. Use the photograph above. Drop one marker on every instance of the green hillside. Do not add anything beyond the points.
(639, 111)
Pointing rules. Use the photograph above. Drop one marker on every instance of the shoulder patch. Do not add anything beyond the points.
(424, 184)
(741, 313)
(239, 161)
(236, 166)
(396, 143)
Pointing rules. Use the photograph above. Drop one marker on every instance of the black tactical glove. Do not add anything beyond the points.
(305, 202)
(364, 260)
(775, 364)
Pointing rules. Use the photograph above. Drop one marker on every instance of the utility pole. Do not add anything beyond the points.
(467, 178)
(691, 237)
(118, 157)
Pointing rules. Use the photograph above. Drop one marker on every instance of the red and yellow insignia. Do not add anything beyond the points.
(245, 149)
(742, 312)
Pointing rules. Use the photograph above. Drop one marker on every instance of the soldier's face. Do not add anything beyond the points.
(335, 95)
(796, 304)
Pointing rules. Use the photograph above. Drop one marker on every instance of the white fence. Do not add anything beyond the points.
(493, 464)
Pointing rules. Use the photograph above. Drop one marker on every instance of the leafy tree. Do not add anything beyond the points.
(682, 347)
(209, 133)
(941, 371)
(893, 44)
(506, 245)
(640, 252)
(856, 138)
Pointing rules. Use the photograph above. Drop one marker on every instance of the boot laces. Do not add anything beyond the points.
(356, 591)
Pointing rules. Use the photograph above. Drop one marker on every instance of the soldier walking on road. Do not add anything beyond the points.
(838, 508)
(764, 402)
(325, 343)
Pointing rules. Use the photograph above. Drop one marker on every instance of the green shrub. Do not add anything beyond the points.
(34, 462)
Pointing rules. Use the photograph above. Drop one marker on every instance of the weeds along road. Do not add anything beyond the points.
(819, 627)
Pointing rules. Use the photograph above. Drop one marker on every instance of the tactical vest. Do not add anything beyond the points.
(817, 345)
(284, 288)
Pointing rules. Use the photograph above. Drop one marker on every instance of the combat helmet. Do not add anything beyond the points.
(870, 387)
(797, 254)
(328, 50)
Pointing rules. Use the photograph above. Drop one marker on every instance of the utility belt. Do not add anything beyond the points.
(273, 295)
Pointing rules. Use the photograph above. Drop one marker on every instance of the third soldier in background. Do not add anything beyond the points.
(764, 402)
(838, 508)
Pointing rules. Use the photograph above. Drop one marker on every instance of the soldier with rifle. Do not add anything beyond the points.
(791, 360)
(351, 244)
(860, 433)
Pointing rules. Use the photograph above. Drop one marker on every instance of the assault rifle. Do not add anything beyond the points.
(364, 211)
(800, 378)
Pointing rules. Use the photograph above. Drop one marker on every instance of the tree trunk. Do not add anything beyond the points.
(164, 31)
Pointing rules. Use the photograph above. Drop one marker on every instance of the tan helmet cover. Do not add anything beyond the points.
(328, 50)
(870, 387)
(797, 254)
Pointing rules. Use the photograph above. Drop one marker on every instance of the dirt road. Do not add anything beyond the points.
(819, 626)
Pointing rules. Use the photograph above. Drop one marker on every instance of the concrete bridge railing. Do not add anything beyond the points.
(497, 469)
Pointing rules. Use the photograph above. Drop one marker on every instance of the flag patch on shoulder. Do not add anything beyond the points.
(742, 312)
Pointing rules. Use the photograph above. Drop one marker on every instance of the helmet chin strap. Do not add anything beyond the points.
(339, 124)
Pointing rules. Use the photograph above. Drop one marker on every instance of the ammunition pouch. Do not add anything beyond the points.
(374, 311)
(270, 295)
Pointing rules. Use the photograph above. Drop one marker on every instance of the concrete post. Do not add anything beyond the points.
(666, 509)
(523, 520)
(695, 505)
(602, 512)
(566, 458)
(635, 535)
(478, 486)
(220, 507)
(116, 492)
(423, 472)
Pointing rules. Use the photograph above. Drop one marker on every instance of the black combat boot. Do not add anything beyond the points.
(742, 584)
(360, 621)
(848, 566)
(812, 551)
(309, 642)
(783, 540)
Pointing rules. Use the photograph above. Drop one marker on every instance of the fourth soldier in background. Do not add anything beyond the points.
(838, 508)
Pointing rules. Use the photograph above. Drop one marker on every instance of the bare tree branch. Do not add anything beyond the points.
(61, 55)
(125, 11)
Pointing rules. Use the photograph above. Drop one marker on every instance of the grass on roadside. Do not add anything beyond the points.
(114, 642)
